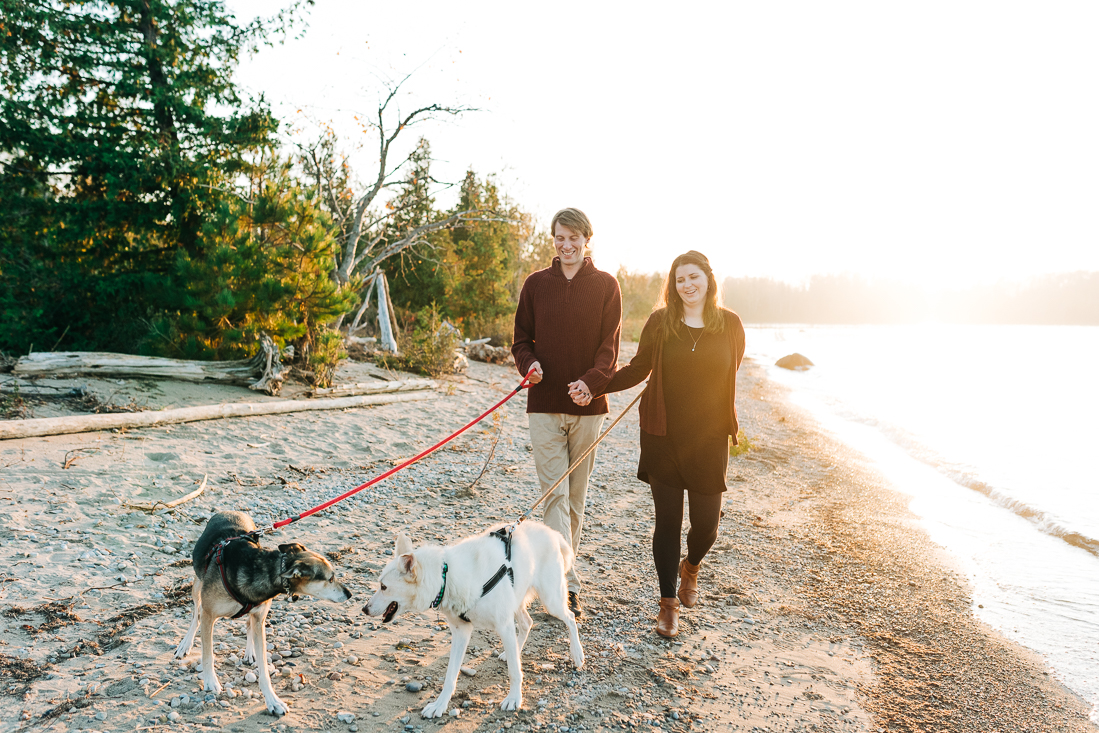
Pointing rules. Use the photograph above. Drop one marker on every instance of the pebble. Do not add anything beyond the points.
(250, 677)
(174, 716)
(335, 676)
(345, 717)
(338, 645)
(455, 712)
(100, 716)
(469, 671)
(414, 686)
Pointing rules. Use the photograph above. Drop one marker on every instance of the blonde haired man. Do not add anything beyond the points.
(567, 327)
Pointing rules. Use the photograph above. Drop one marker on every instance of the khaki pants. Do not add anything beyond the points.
(557, 440)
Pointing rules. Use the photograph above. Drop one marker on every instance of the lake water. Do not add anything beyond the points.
(993, 432)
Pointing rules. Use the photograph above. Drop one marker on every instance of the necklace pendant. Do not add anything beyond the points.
(693, 347)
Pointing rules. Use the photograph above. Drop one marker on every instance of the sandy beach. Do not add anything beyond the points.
(824, 606)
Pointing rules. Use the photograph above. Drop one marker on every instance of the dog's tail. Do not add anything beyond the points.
(566, 551)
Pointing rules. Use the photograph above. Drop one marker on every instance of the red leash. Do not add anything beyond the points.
(406, 464)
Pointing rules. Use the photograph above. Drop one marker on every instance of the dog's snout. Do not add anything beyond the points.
(366, 609)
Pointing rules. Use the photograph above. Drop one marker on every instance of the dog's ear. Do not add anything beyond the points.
(296, 570)
(291, 547)
(407, 565)
(404, 544)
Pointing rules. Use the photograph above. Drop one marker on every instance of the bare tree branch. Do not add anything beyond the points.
(415, 235)
(353, 254)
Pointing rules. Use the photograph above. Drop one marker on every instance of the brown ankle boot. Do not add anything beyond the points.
(667, 623)
(688, 583)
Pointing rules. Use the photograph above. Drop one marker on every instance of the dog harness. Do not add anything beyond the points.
(504, 535)
(217, 552)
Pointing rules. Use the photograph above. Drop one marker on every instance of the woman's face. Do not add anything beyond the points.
(691, 284)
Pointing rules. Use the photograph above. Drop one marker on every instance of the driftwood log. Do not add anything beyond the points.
(264, 372)
(374, 387)
(490, 354)
(10, 429)
(162, 506)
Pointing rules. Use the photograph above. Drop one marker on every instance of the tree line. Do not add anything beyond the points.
(149, 205)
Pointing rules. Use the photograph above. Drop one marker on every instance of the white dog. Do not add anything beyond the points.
(485, 581)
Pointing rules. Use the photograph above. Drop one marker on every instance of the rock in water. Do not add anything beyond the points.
(794, 361)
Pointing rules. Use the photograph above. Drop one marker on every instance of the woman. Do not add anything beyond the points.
(693, 348)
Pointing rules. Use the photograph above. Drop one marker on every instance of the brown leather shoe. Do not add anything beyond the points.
(688, 583)
(667, 623)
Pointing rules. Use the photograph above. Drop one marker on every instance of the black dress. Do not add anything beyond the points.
(694, 454)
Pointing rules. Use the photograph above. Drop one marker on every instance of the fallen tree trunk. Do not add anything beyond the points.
(86, 423)
(374, 387)
(264, 372)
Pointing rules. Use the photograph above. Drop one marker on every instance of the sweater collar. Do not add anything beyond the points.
(585, 269)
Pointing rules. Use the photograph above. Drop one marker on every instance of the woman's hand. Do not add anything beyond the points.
(580, 393)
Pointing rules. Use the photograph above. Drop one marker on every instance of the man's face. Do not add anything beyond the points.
(569, 245)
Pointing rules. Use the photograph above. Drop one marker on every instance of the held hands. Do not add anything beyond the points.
(580, 393)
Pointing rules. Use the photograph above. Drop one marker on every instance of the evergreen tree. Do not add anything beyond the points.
(482, 255)
(417, 275)
(119, 123)
(266, 264)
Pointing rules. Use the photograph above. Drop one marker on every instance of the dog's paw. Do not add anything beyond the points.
(435, 709)
(211, 684)
(578, 660)
(249, 657)
(512, 702)
(502, 656)
(277, 707)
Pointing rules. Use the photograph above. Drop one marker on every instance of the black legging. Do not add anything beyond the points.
(705, 515)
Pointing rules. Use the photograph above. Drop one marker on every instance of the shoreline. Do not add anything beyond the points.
(824, 606)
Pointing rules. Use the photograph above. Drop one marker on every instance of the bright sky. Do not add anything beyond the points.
(939, 141)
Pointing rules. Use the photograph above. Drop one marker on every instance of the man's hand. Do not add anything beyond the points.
(580, 393)
(536, 376)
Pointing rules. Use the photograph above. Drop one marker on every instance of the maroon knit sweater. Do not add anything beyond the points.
(572, 328)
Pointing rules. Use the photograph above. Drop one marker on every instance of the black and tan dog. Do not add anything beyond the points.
(236, 577)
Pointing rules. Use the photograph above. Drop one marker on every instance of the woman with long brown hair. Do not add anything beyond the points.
(693, 347)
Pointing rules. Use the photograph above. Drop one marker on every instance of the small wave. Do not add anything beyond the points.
(1040, 519)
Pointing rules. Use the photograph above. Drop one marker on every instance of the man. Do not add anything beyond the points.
(567, 328)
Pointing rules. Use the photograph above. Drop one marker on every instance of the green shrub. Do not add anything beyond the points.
(325, 354)
(743, 445)
(429, 349)
(501, 329)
